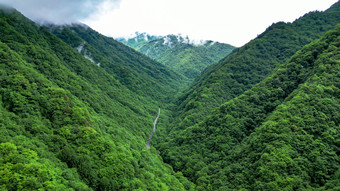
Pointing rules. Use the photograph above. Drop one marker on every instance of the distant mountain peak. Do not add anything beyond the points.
(179, 38)
(168, 40)
(185, 55)
(138, 37)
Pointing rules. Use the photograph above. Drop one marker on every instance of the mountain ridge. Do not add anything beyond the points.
(249, 64)
(261, 140)
(182, 54)
(77, 108)
(67, 124)
(129, 68)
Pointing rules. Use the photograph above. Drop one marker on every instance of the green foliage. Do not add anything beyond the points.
(250, 64)
(139, 40)
(21, 170)
(76, 109)
(179, 53)
(134, 70)
(282, 134)
(67, 124)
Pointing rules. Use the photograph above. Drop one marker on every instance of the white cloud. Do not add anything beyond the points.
(167, 41)
(230, 21)
(59, 11)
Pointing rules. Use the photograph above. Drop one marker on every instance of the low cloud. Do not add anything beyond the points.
(61, 11)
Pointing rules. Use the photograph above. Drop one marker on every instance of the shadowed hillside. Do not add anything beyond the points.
(250, 64)
(282, 134)
(69, 124)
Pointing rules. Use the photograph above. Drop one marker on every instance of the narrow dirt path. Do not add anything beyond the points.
(154, 128)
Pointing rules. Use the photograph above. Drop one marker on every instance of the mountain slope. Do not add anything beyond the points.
(134, 70)
(67, 124)
(283, 134)
(251, 63)
(139, 40)
(187, 57)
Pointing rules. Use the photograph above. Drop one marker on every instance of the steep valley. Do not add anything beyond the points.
(79, 110)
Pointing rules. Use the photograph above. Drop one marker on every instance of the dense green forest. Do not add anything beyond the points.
(77, 109)
(250, 64)
(282, 134)
(136, 71)
(183, 55)
(67, 124)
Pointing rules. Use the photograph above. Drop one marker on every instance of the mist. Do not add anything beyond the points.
(58, 12)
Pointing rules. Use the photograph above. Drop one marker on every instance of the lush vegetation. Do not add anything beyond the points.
(136, 71)
(283, 134)
(139, 40)
(250, 64)
(180, 53)
(76, 109)
(67, 124)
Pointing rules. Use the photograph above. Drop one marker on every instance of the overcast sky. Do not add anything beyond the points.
(231, 21)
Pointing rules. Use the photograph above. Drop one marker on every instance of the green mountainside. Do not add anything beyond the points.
(250, 64)
(77, 108)
(67, 123)
(136, 71)
(139, 40)
(183, 55)
(282, 134)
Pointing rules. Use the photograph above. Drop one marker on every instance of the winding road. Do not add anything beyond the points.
(154, 128)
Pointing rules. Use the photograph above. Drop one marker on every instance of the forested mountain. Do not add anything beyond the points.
(138, 40)
(185, 56)
(134, 70)
(250, 64)
(282, 134)
(76, 109)
(70, 123)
